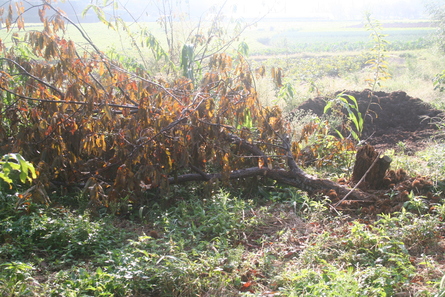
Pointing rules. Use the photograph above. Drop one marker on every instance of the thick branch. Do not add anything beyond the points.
(295, 176)
(248, 172)
(302, 181)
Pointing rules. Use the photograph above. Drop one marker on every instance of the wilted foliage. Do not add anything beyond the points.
(84, 118)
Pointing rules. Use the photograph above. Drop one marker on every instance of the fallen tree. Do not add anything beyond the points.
(291, 175)
(84, 119)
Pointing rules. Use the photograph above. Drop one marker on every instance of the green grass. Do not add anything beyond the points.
(322, 74)
(221, 245)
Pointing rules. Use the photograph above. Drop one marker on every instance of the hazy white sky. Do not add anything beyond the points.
(311, 8)
(325, 9)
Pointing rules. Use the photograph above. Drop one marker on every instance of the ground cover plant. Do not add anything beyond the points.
(169, 176)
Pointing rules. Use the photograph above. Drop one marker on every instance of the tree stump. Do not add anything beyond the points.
(365, 157)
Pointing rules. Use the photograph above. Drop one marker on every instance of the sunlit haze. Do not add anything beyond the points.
(320, 9)
(277, 9)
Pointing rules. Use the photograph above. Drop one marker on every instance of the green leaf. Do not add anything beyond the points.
(354, 120)
(339, 134)
(85, 11)
(187, 59)
(355, 135)
(5, 178)
(243, 48)
(99, 13)
(328, 106)
(8, 167)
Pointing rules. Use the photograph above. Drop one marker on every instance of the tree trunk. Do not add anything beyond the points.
(376, 169)
(301, 180)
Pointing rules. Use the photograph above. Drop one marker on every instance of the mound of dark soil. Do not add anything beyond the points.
(392, 118)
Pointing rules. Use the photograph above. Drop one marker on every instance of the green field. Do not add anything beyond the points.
(272, 37)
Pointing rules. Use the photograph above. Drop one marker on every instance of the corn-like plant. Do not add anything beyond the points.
(354, 117)
(187, 61)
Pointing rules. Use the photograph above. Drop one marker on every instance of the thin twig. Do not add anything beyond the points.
(334, 209)
(67, 102)
(34, 77)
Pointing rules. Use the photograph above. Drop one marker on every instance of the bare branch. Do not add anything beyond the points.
(67, 102)
(249, 147)
(62, 95)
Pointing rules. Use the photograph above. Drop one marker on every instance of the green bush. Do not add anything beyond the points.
(16, 279)
(59, 235)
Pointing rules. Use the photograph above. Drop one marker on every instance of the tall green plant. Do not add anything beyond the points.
(16, 279)
(287, 93)
(378, 62)
(187, 61)
(436, 10)
(439, 81)
(354, 117)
